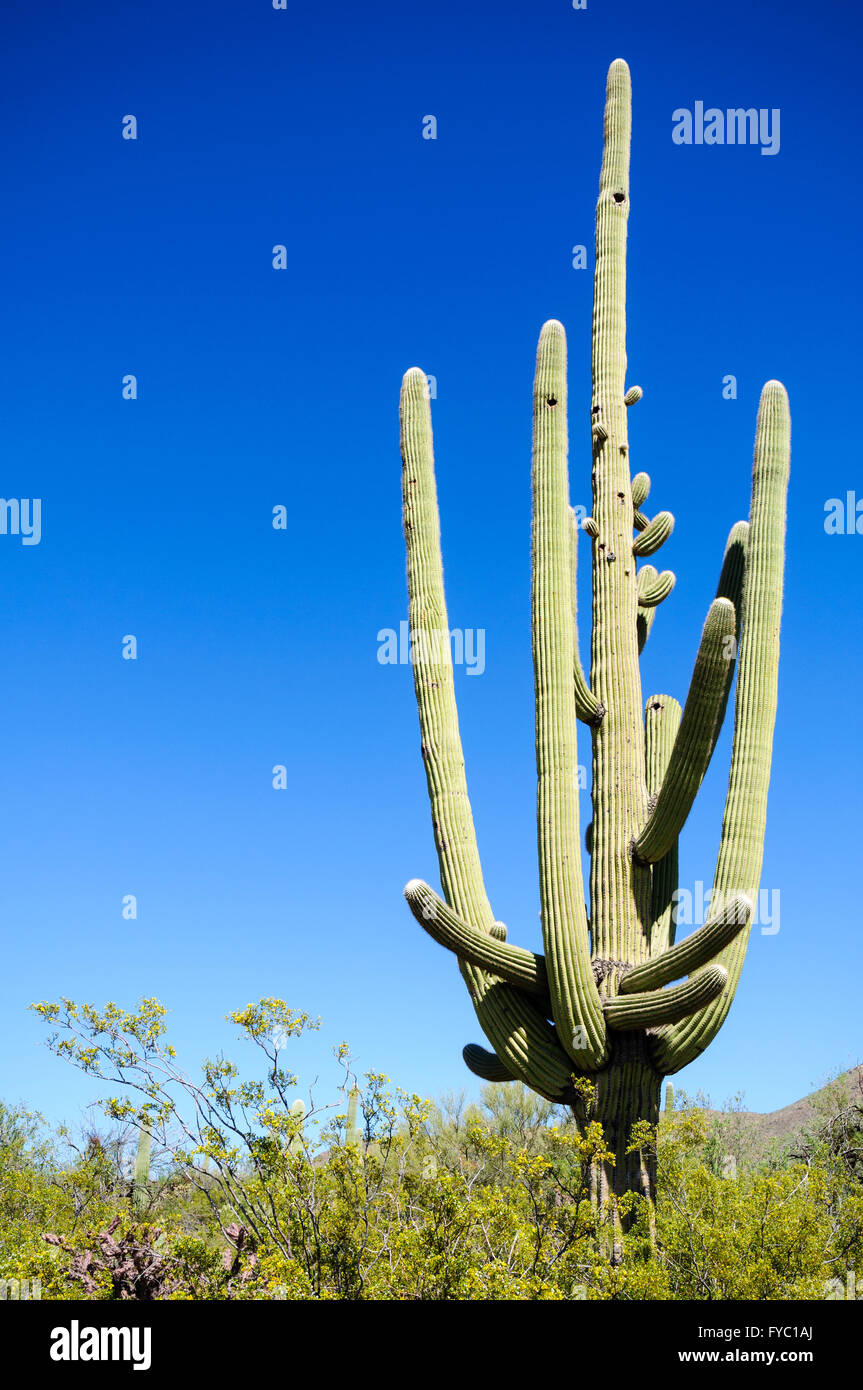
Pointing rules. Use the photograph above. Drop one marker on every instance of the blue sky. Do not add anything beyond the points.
(259, 387)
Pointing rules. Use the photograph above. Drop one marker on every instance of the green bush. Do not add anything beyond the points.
(261, 1199)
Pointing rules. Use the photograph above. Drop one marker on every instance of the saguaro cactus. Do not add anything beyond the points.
(351, 1134)
(297, 1112)
(141, 1180)
(595, 1004)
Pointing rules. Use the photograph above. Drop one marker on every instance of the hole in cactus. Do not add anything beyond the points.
(620, 197)
(621, 497)
(656, 704)
(551, 400)
(595, 410)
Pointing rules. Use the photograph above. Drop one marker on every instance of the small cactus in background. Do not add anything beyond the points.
(669, 1097)
(297, 1111)
(141, 1178)
(351, 1134)
(595, 1003)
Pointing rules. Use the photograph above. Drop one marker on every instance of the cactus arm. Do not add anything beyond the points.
(517, 1029)
(575, 1001)
(455, 836)
(696, 737)
(730, 581)
(689, 955)
(655, 534)
(517, 966)
(485, 1064)
(654, 591)
(730, 586)
(661, 722)
(647, 575)
(587, 707)
(640, 489)
(643, 624)
(627, 1012)
(738, 867)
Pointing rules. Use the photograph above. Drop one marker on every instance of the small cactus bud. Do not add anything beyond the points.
(640, 489)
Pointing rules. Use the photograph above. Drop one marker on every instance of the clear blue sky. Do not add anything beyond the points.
(260, 387)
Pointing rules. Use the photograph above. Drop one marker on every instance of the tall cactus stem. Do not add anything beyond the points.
(619, 889)
(521, 1035)
(575, 1003)
(741, 849)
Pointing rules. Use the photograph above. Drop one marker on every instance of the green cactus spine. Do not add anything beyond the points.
(607, 998)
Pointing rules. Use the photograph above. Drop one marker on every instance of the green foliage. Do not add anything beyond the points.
(456, 1200)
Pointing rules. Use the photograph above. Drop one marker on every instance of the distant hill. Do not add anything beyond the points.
(756, 1131)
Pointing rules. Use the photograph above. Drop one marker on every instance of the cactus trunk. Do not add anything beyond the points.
(612, 998)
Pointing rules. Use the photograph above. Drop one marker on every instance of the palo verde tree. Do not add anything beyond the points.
(601, 1002)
